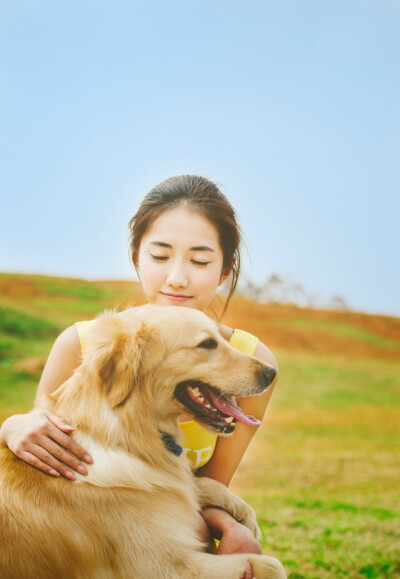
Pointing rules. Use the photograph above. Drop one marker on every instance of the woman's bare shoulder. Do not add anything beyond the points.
(225, 331)
(69, 338)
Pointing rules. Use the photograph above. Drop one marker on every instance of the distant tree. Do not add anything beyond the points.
(284, 291)
(250, 290)
(297, 295)
(339, 304)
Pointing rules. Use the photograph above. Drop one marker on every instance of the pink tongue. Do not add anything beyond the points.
(227, 405)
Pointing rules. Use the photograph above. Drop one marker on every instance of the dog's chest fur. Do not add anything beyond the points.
(58, 512)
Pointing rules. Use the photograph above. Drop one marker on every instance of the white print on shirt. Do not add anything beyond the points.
(199, 456)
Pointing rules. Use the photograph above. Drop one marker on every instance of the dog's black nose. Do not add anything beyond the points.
(267, 375)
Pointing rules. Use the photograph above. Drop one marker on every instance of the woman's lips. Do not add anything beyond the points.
(176, 297)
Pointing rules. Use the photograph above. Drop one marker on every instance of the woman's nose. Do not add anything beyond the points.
(177, 276)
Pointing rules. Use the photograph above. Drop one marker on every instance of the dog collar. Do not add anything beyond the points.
(170, 443)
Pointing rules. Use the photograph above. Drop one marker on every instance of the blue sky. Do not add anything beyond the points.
(292, 106)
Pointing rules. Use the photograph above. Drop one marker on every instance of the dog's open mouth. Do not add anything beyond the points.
(211, 407)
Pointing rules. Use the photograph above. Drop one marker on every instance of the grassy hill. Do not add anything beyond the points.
(323, 470)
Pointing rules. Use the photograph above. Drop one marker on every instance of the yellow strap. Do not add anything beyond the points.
(83, 332)
(244, 342)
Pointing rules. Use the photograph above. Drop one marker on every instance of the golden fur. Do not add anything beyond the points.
(135, 514)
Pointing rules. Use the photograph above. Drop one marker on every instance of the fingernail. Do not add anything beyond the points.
(54, 472)
(82, 469)
(88, 458)
(69, 475)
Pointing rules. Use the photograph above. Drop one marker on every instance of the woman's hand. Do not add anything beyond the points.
(40, 439)
(238, 539)
(233, 537)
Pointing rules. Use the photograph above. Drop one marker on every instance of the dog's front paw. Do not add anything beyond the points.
(246, 515)
(214, 494)
(267, 567)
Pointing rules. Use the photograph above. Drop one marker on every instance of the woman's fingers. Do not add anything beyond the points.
(42, 439)
(59, 422)
(47, 448)
(57, 457)
(70, 444)
(33, 460)
(40, 458)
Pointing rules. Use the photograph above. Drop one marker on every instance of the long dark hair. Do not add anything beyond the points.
(201, 196)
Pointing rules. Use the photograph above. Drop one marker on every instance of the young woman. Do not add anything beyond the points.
(185, 243)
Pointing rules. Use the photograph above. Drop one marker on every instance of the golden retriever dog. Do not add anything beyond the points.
(136, 512)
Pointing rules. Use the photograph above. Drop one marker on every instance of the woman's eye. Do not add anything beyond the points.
(158, 257)
(200, 262)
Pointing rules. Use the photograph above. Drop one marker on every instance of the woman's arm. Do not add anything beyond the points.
(40, 438)
(64, 357)
(229, 451)
(235, 537)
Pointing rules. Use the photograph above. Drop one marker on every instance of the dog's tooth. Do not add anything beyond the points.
(201, 399)
(195, 391)
(228, 419)
(207, 405)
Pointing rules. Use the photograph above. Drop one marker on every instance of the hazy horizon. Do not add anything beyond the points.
(316, 302)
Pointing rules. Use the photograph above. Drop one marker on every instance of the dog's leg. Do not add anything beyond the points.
(233, 566)
(214, 494)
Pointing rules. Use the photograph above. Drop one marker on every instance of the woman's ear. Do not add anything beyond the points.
(225, 273)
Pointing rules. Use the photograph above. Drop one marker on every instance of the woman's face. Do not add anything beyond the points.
(180, 260)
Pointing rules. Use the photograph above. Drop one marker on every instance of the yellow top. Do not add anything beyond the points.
(199, 443)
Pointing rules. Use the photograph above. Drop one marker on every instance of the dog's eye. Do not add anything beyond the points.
(209, 344)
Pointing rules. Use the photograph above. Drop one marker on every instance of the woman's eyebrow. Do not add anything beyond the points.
(201, 248)
(196, 248)
(161, 244)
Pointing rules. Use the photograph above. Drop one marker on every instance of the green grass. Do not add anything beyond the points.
(80, 290)
(325, 538)
(16, 322)
(17, 390)
(308, 380)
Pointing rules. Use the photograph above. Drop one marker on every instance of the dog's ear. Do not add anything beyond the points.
(120, 353)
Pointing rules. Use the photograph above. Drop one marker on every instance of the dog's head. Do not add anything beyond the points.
(167, 361)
